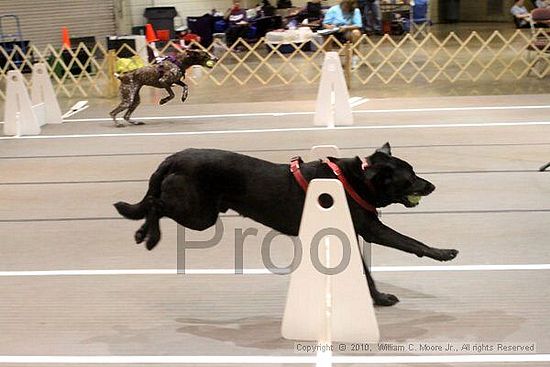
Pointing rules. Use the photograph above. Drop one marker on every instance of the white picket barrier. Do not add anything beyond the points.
(333, 103)
(325, 307)
(23, 115)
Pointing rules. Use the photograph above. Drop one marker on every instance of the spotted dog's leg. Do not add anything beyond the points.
(126, 100)
(185, 92)
(170, 96)
(133, 105)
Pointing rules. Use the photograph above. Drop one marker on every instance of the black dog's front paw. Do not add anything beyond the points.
(385, 299)
(444, 254)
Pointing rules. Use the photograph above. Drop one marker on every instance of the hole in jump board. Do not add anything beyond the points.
(326, 201)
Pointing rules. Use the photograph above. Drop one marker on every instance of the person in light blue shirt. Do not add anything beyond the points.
(347, 18)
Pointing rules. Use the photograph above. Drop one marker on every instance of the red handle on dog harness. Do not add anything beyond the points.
(295, 169)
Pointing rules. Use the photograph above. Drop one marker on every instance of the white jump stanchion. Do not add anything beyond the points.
(24, 115)
(333, 106)
(20, 117)
(323, 151)
(42, 92)
(320, 306)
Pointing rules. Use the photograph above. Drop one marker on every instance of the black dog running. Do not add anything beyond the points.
(193, 186)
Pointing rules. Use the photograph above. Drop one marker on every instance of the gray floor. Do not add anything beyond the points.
(56, 214)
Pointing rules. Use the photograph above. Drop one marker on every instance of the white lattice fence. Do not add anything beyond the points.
(413, 58)
(452, 58)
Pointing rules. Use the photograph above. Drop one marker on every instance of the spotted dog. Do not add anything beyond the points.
(163, 74)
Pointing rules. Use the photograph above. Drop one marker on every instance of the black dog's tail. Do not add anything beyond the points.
(150, 207)
(139, 210)
(131, 211)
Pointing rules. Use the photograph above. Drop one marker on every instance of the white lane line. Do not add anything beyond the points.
(354, 103)
(389, 269)
(491, 358)
(379, 269)
(449, 109)
(296, 129)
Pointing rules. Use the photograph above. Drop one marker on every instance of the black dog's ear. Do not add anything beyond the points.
(386, 149)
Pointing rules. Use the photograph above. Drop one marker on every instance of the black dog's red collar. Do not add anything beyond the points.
(295, 169)
(351, 192)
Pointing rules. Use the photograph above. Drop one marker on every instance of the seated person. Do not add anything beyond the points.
(267, 9)
(237, 23)
(312, 12)
(522, 17)
(284, 4)
(347, 18)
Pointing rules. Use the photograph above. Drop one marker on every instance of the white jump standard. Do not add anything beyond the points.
(24, 115)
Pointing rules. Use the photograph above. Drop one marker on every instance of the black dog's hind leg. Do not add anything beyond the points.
(150, 230)
(188, 202)
(185, 92)
(141, 233)
(170, 96)
(136, 100)
(153, 226)
(385, 236)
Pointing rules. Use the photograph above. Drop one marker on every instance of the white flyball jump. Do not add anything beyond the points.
(320, 306)
(333, 102)
(323, 151)
(24, 115)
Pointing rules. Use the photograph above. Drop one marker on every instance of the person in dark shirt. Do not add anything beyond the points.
(312, 11)
(311, 14)
(237, 23)
(268, 10)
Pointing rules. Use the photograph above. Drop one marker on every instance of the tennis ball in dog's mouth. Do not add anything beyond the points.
(414, 199)
(210, 63)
